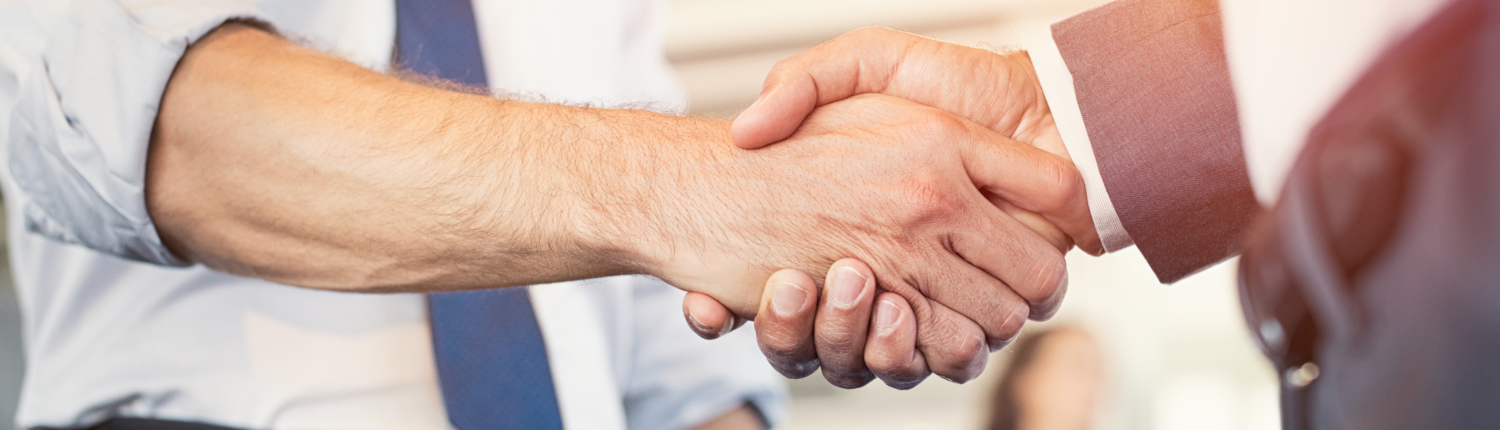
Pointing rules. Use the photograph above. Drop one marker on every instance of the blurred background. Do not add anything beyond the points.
(1173, 357)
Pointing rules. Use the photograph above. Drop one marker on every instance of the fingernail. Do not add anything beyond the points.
(1017, 319)
(698, 325)
(728, 327)
(847, 285)
(787, 298)
(886, 315)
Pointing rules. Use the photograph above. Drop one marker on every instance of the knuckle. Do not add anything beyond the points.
(902, 384)
(1044, 309)
(886, 37)
(789, 69)
(931, 189)
(905, 378)
(957, 376)
(1064, 185)
(935, 126)
(839, 327)
(1048, 277)
(932, 198)
(848, 380)
(868, 32)
(838, 340)
(885, 363)
(968, 373)
(784, 346)
(794, 369)
(782, 68)
(897, 373)
(967, 350)
(966, 359)
(1009, 327)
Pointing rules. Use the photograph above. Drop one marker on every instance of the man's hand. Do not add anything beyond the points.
(998, 91)
(896, 185)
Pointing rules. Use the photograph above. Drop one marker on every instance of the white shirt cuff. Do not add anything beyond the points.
(1057, 85)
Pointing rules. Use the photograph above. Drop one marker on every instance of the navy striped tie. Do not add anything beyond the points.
(491, 361)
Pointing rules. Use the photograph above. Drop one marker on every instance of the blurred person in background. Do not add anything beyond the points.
(1052, 381)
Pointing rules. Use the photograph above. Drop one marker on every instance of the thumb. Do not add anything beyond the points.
(785, 100)
(861, 61)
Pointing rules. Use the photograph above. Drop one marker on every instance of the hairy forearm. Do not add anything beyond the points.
(283, 163)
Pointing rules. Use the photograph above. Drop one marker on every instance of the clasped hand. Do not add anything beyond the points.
(984, 236)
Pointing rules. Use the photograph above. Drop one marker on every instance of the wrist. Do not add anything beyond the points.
(663, 208)
(547, 201)
(631, 202)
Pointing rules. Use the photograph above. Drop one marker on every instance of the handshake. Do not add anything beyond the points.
(928, 179)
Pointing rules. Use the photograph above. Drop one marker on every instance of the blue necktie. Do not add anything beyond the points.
(491, 361)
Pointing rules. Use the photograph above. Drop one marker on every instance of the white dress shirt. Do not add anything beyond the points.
(117, 326)
(1289, 61)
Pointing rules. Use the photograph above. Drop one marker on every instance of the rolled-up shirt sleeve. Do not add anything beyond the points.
(83, 109)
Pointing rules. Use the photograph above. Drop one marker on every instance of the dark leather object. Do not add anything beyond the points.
(1381, 262)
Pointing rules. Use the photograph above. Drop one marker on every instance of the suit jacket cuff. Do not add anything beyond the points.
(1057, 84)
(1152, 87)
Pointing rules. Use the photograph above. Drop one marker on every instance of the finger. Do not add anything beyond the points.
(782, 106)
(1086, 239)
(855, 63)
(891, 351)
(1034, 221)
(843, 321)
(784, 325)
(1029, 265)
(707, 317)
(1032, 179)
(975, 295)
(954, 347)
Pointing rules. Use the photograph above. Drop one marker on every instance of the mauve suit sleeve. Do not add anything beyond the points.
(1152, 85)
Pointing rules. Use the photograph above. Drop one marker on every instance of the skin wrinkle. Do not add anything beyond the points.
(895, 67)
